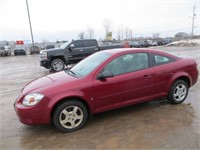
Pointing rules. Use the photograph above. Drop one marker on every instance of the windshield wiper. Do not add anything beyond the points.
(68, 70)
(71, 72)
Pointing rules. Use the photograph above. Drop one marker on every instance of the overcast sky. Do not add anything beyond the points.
(64, 19)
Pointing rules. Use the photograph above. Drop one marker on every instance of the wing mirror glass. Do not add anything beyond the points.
(71, 47)
(105, 74)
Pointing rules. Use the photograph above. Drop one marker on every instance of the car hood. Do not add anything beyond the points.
(47, 81)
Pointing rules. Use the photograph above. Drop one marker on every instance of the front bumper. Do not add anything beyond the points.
(19, 53)
(35, 115)
(45, 63)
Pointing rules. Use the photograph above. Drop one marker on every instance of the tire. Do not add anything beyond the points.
(178, 92)
(70, 116)
(57, 65)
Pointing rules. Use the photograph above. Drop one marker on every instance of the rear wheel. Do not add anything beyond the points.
(57, 65)
(178, 92)
(70, 116)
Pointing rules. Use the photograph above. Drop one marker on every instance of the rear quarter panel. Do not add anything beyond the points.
(167, 74)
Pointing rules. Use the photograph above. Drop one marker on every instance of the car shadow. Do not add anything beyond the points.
(132, 121)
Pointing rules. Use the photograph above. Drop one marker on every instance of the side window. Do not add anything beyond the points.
(160, 60)
(90, 43)
(128, 63)
(78, 44)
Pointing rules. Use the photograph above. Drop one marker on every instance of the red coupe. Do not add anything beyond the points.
(105, 80)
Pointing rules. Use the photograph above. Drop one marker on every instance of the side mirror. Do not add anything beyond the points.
(105, 74)
(71, 47)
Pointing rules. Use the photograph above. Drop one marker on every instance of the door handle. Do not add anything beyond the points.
(81, 50)
(147, 76)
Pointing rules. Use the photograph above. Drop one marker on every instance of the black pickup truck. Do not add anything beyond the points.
(70, 52)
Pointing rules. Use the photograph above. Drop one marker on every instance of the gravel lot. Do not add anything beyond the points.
(152, 125)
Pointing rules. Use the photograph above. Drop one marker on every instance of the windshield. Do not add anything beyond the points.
(65, 45)
(87, 65)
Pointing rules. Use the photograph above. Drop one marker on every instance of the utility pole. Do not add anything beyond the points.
(131, 34)
(193, 15)
(30, 24)
(122, 32)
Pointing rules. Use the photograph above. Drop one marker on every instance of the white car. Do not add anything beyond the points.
(4, 51)
(154, 43)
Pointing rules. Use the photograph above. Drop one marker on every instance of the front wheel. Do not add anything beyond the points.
(70, 116)
(57, 65)
(178, 92)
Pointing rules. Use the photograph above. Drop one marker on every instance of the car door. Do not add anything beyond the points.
(133, 81)
(77, 53)
(91, 46)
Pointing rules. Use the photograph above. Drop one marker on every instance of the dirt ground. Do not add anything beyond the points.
(151, 125)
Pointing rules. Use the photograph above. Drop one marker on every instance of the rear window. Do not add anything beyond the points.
(160, 60)
(36, 47)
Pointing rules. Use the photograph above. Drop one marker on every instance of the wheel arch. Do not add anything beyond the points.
(59, 102)
(186, 79)
(58, 57)
(183, 77)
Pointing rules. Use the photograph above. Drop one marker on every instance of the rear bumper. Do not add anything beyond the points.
(45, 63)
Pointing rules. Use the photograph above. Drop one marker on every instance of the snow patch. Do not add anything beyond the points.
(188, 42)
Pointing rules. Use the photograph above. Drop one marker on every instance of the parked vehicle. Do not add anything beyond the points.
(146, 44)
(50, 46)
(4, 52)
(166, 41)
(141, 43)
(159, 41)
(34, 49)
(134, 44)
(154, 43)
(105, 80)
(19, 51)
(69, 53)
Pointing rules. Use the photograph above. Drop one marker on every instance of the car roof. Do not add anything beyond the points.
(144, 50)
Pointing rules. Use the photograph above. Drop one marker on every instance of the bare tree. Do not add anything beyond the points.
(128, 33)
(107, 23)
(90, 31)
(81, 35)
(119, 34)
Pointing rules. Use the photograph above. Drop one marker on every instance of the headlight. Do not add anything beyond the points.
(32, 99)
(43, 54)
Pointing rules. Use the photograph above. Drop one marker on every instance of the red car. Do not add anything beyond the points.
(105, 80)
